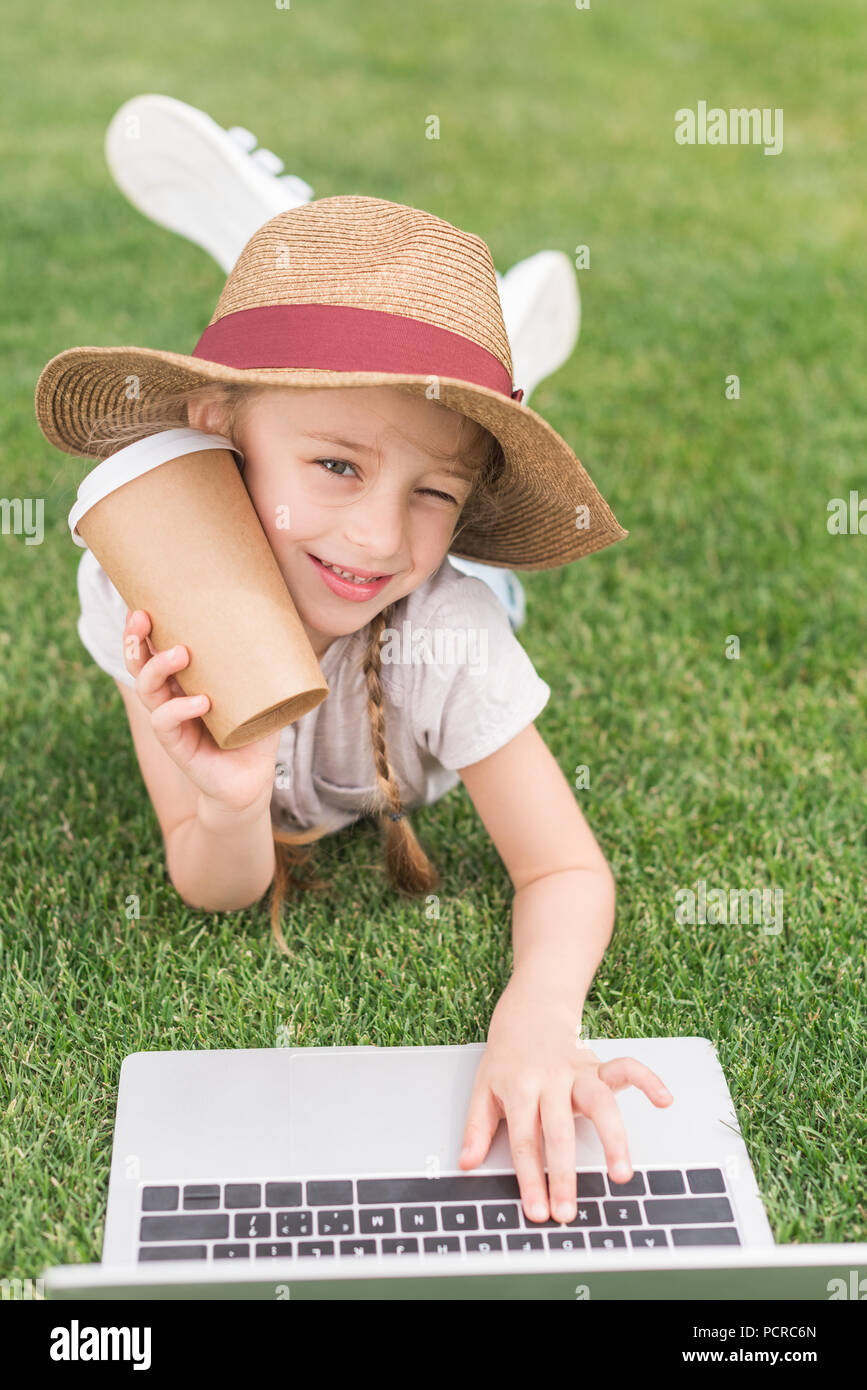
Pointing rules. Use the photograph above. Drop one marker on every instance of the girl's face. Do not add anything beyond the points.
(344, 476)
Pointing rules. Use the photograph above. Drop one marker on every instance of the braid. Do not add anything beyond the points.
(292, 851)
(408, 868)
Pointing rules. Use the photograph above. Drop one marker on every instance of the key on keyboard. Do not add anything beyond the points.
(461, 1213)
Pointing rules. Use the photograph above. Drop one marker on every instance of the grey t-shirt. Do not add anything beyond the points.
(457, 686)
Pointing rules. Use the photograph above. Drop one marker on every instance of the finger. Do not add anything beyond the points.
(136, 648)
(168, 719)
(525, 1142)
(153, 681)
(558, 1128)
(626, 1071)
(594, 1099)
(483, 1117)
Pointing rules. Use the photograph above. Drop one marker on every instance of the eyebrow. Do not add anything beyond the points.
(459, 465)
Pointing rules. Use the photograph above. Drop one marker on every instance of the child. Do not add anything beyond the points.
(357, 357)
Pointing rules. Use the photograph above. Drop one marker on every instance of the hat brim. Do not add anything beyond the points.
(541, 521)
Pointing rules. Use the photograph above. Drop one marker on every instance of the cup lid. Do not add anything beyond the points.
(130, 462)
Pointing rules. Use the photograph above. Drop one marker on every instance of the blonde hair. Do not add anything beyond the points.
(407, 867)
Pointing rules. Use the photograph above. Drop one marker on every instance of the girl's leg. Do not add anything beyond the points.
(185, 172)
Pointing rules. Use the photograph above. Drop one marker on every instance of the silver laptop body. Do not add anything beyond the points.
(332, 1172)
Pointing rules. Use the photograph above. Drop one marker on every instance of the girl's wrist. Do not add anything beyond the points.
(216, 816)
(542, 983)
(548, 972)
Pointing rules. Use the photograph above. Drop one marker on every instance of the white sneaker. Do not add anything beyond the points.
(185, 172)
(504, 583)
(542, 313)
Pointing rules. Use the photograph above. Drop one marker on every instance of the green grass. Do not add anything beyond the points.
(556, 129)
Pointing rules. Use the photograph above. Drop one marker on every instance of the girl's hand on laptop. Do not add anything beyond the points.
(537, 1074)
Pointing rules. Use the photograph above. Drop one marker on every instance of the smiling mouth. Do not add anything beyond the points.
(350, 575)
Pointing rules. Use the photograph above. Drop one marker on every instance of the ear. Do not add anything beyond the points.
(207, 413)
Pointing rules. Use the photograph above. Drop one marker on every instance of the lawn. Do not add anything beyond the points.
(556, 130)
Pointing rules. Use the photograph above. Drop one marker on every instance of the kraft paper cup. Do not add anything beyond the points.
(172, 524)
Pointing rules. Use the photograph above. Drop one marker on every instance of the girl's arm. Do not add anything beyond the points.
(217, 859)
(563, 911)
(536, 1071)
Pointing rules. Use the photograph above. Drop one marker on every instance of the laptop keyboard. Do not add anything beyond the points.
(466, 1213)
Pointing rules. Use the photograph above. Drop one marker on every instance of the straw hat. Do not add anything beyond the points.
(359, 291)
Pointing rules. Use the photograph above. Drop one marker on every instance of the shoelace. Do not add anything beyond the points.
(267, 160)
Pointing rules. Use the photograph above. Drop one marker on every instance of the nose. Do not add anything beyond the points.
(375, 524)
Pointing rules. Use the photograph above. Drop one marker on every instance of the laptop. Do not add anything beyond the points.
(331, 1172)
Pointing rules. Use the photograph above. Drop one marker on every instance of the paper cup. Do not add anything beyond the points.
(172, 524)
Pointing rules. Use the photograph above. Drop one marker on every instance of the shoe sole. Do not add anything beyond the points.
(185, 172)
(542, 312)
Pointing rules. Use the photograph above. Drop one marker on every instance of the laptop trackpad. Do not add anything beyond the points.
(383, 1110)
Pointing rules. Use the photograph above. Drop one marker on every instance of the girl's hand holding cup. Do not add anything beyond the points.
(172, 525)
(236, 778)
